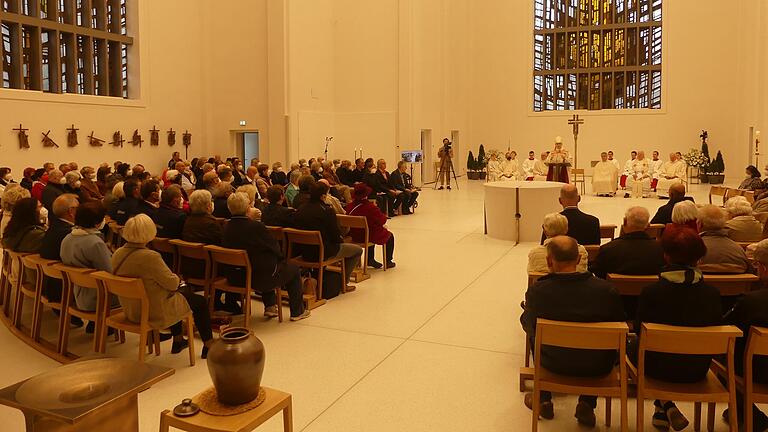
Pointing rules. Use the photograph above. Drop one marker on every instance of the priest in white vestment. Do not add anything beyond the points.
(627, 170)
(639, 179)
(510, 168)
(494, 167)
(604, 177)
(528, 166)
(540, 169)
(655, 165)
(672, 172)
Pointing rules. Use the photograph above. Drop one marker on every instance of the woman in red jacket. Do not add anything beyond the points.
(377, 232)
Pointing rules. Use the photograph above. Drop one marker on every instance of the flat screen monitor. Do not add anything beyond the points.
(413, 156)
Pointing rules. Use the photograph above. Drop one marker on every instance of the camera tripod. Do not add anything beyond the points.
(450, 172)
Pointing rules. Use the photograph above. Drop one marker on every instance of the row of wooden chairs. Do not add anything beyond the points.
(718, 340)
(103, 317)
(726, 193)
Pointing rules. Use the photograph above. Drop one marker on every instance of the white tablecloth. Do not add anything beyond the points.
(536, 200)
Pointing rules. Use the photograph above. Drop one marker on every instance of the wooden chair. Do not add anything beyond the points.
(194, 251)
(757, 344)
(22, 289)
(579, 177)
(238, 258)
(688, 340)
(729, 285)
(360, 222)
(168, 251)
(45, 270)
(133, 289)
(607, 232)
(82, 277)
(595, 336)
(592, 251)
(718, 191)
(5, 284)
(655, 230)
(526, 374)
(312, 238)
(750, 196)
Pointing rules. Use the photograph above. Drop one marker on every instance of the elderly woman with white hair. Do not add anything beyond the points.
(269, 269)
(554, 225)
(685, 213)
(168, 304)
(742, 227)
(73, 183)
(12, 194)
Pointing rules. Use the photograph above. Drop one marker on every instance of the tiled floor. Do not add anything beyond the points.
(433, 345)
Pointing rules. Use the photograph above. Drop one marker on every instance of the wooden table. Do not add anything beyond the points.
(274, 402)
(87, 395)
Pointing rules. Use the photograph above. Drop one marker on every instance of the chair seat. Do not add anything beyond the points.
(707, 390)
(51, 304)
(608, 385)
(28, 290)
(301, 262)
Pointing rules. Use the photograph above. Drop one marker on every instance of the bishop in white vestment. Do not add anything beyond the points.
(672, 172)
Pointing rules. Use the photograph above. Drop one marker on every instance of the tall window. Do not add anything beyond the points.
(597, 54)
(65, 46)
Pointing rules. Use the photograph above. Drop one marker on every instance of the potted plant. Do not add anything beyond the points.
(716, 170)
(482, 162)
(703, 176)
(472, 173)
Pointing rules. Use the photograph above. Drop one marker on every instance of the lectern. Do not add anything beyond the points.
(558, 172)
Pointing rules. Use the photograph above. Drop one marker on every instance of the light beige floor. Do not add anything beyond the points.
(433, 345)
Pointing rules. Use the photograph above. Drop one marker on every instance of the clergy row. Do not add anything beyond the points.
(640, 175)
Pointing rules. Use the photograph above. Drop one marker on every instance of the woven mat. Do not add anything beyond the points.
(209, 403)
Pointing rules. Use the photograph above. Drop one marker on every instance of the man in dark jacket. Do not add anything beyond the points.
(128, 207)
(276, 213)
(359, 172)
(268, 268)
(345, 173)
(676, 195)
(52, 189)
(584, 228)
(316, 216)
(398, 181)
(170, 217)
(379, 182)
(633, 253)
(150, 195)
(680, 298)
(752, 310)
(566, 295)
(61, 222)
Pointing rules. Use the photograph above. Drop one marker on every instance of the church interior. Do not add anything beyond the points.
(463, 296)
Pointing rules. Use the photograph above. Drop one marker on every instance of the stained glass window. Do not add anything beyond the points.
(597, 54)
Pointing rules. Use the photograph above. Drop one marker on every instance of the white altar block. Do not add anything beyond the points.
(537, 199)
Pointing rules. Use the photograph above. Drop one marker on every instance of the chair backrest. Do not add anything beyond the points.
(163, 245)
(608, 231)
(598, 336)
(655, 230)
(727, 284)
(127, 288)
(357, 222)
(30, 261)
(750, 196)
(190, 250)
(592, 251)
(757, 343)
(687, 340)
(43, 265)
(79, 276)
(717, 191)
(306, 238)
(233, 257)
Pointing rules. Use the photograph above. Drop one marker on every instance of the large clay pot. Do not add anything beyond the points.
(236, 364)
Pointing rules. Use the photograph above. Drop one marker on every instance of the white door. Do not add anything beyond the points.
(427, 168)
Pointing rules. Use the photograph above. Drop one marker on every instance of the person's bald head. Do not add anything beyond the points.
(636, 219)
(65, 207)
(562, 254)
(569, 196)
(761, 256)
(676, 191)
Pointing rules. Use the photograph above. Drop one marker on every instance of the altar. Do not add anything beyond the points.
(532, 200)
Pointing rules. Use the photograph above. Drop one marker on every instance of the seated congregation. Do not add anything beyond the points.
(693, 274)
(131, 224)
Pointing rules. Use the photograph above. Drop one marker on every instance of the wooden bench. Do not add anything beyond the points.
(729, 285)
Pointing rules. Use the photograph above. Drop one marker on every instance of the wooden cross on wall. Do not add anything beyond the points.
(72, 136)
(171, 137)
(48, 141)
(117, 139)
(136, 140)
(575, 121)
(154, 136)
(23, 137)
(95, 142)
